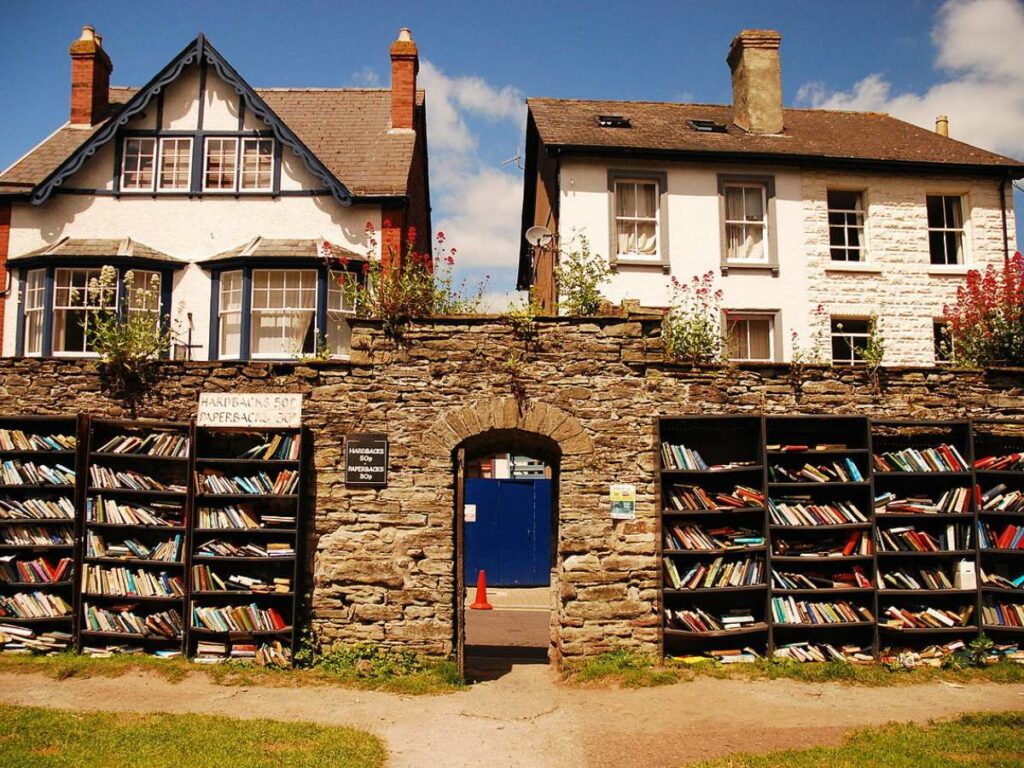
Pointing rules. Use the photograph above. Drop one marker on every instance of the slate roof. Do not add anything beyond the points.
(263, 248)
(809, 134)
(346, 128)
(86, 248)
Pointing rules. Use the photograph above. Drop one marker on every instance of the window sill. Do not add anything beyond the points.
(941, 270)
(853, 266)
(633, 261)
(750, 266)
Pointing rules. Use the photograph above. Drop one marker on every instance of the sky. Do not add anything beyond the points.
(479, 60)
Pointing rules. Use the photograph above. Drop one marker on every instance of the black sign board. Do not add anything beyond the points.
(366, 461)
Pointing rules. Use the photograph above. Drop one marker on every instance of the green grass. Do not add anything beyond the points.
(423, 678)
(31, 737)
(638, 671)
(991, 740)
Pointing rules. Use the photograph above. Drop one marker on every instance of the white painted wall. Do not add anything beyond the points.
(906, 294)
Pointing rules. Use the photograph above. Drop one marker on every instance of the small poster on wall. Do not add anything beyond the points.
(623, 501)
(366, 461)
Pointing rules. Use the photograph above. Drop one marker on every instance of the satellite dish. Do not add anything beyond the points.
(538, 236)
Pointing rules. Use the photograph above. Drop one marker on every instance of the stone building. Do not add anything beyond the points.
(860, 213)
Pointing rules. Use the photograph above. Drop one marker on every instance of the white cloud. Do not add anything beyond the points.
(476, 202)
(977, 44)
(367, 77)
(500, 302)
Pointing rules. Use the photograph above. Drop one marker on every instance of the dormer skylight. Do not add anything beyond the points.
(706, 126)
(613, 121)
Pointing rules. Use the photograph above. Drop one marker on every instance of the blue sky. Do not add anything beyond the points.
(913, 58)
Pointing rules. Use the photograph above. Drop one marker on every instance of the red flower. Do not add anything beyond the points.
(440, 237)
(387, 224)
(366, 267)
(452, 251)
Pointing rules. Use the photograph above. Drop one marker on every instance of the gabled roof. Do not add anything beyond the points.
(79, 248)
(810, 135)
(342, 135)
(306, 248)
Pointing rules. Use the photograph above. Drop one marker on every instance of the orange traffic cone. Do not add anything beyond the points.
(480, 603)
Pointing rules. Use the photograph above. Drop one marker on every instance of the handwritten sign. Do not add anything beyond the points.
(366, 461)
(250, 409)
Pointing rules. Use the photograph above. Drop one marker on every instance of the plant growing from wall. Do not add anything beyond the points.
(692, 328)
(873, 351)
(579, 277)
(129, 343)
(986, 325)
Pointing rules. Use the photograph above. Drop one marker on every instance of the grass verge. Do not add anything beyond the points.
(637, 671)
(991, 740)
(32, 737)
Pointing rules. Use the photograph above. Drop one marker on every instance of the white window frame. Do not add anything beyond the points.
(861, 215)
(206, 164)
(339, 310)
(852, 337)
(241, 164)
(732, 318)
(962, 230)
(766, 258)
(222, 312)
(34, 311)
(155, 154)
(634, 220)
(160, 165)
(84, 307)
(255, 311)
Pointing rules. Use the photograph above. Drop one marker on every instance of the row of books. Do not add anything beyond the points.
(18, 639)
(801, 448)
(155, 444)
(97, 580)
(37, 536)
(206, 580)
(933, 656)
(802, 510)
(38, 571)
(104, 477)
(1012, 461)
(821, 652)
(124, 620)
(168, 551)
(1011, 537)
(857, 543)
(927, 617)
(699, 620)
(17, 440)
(954, 536)
(286, 482)
(693, 497)
(279, 448)
(942, 458)
(112, 512)
(789, 610)
(61, 508)
(694, 537)
(28, 473)
(33, 605)
(844, 471)
(1002, 582)
(220, 548)
(1000, 499)
(681, 457)
(718, 573)
(854, 579)
(919, 578)
(1003, 614)
(953, 501)
(238, 618)
(265, 655)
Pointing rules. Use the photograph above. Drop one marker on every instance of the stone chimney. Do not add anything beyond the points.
(756, 80)
(942, 125)
(90, 78)
(405, 65)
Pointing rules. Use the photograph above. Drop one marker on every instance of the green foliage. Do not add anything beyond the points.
(631, 669)
(986, 325)
(579, 277)
(692, 327)
(873, 351)
(34, 737)
(522, 316)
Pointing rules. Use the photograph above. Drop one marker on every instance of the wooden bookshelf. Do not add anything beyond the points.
(38, 545)
(221, 548)
(137, 499)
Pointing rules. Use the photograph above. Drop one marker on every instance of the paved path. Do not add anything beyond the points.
(526, 719)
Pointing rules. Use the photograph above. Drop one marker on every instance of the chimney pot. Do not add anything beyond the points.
(405, 65)
(88, 33)
(942, 125)
(756, 80)
(90, 78)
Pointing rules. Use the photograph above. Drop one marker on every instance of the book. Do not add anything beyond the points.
(789, 610)
(167, 444)
(805, 511)
(942, 458)
(17, 440)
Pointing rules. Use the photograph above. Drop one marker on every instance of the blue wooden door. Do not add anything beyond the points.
(511, 537)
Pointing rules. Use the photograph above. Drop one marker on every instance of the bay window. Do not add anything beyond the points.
(283, 313)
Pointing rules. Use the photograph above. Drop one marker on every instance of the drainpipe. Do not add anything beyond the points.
(1002, 206)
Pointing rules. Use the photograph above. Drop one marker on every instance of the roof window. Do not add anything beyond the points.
(707, 126)
(613, 121)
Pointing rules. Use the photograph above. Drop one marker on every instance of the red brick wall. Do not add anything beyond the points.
(5, 241)
(90, 83)
(404, 65)
(392, 235)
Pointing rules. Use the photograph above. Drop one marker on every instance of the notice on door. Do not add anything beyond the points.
(623, 501)
(366, 461)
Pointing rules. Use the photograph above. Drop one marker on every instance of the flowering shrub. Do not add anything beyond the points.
(411, 285)
(693, 326)
(579, 277)
(986, 325)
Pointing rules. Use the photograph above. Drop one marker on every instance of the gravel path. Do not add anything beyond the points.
(527, 719)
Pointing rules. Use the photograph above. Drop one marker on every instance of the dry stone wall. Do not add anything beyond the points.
(381, 560)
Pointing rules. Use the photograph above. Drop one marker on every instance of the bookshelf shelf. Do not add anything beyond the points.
(941, 553)
(245, 531)
(821, 559)
(132, 636)
(927, 630)
(1001, 628)
(713, 552)
(35, 619)
(791, 486)
(139, 457)
(722, 633)
(37, 521)
(198, 559)
(717, 590)
(35, 547)
(37, 585)
(237, 593)
(923, 593)
(131, 598)
(238, 634)
(711, 512)
(1001, 591)
(855, 592)
(138, 492)
(134, 561)
(842, 527)
(823, 625)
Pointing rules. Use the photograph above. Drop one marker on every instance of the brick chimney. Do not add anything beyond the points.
(942, 125)
(405, 65)
(756, 80)
(90, 78)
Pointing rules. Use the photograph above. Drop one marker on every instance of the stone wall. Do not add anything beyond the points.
(382, 559)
